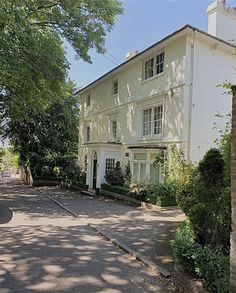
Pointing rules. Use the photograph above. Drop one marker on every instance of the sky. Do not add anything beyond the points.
(143, 23)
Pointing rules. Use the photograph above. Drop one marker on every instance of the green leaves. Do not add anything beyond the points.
(33, 67)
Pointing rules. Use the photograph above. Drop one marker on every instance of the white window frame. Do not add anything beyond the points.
(109, 164)
(156, 68)
(148, 162)
(155, 121)
(115, 87)
(88, 133)
(113, 131)
(88, 100)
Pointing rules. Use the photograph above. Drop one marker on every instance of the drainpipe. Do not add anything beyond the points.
(191, 95)
(233, 197)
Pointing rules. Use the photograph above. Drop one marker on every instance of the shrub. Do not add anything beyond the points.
(207, 202)
(116, 189)
(185, 247)
(211, 168)
(163, 194)
(213, 267)
(139, 190)
(46, 171)
(127, 173)
(115, 177)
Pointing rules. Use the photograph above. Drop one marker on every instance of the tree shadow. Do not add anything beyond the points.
(147, 232)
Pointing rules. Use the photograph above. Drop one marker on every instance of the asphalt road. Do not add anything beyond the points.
(45, 249)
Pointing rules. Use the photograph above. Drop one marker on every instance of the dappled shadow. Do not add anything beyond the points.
(64, 259)
(58, 253)
(24, 199)
(147, 232)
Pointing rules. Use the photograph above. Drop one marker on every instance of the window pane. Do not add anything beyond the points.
(115, 87)
(88, 134)
(142, 171)
(158, 114)
(135, 171)
(114, 128)
(140, 156)
(88, 100)
(147, 120)
(148, 68)
(110, 164)
(153, 157)
(154, 173)
(160, 63)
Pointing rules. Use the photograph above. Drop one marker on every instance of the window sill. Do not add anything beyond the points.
(151, 137)
(151, 78)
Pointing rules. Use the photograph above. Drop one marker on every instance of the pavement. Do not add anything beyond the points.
(44, 248)
(146, 232)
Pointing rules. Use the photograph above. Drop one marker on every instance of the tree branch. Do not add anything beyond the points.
(43, 7)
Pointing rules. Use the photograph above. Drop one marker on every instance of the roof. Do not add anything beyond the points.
(187, 26)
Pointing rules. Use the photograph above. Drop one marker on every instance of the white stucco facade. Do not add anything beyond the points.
(177, 105)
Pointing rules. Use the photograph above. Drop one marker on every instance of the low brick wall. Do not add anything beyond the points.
(133, 201)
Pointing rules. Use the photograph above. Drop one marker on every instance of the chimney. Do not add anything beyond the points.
(131, 54)
(233, 198)
(222, 21)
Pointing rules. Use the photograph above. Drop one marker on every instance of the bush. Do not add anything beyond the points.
(115, 177)
(211, 168)
(213, 266)
(139, 190)
(207, 202)
(207, 263)
(46, 171)
(163, 194)
(185, 247)
(115, 189)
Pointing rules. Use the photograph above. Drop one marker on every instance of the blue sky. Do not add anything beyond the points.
(143, 23)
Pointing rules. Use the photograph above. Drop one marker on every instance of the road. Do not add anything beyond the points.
(44, 249)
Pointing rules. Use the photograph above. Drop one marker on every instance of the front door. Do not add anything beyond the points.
(94, 173)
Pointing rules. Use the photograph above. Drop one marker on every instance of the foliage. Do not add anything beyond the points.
(224, 144)
(127, 173)
(33, 65)
(184, 247)
(115, 189)
(115, 176)
(8, 159)
(214, 271)
(208, 263)
(163, 194)
(139, 190)
(207, 202)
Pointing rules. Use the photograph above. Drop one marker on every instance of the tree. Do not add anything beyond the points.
(53, 133)
(33, 67)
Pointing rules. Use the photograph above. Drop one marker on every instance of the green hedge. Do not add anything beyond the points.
(47, 178)
(207, 263)
(115, 189)
(79, 184)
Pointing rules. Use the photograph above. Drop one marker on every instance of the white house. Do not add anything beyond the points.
(166, 94)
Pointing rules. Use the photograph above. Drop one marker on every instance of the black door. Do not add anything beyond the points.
(94, 173)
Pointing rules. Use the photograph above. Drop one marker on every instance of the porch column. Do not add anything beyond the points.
(233, 197)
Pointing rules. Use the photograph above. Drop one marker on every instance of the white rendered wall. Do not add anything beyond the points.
(212, 66)
(133, 93)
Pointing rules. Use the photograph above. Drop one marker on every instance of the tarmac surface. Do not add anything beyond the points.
(147, 232)
(44, 249)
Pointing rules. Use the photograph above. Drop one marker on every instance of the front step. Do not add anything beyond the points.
(90, 192)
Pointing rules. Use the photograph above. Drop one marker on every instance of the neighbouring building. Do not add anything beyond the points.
(166, 94)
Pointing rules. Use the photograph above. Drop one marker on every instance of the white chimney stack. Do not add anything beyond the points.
(222, 21)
